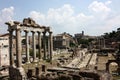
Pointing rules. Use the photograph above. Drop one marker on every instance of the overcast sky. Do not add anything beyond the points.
(94, 17)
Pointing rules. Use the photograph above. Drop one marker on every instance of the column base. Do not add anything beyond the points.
(40, 60)
(12, 66)
(17, 73)
(44, 58)
(27, 62)
(35, 61)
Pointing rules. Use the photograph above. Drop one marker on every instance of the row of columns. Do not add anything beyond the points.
(101, 42)
(18, 46)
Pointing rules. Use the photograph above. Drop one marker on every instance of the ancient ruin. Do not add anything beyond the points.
(28, 25)
(116, 60)
(67, 63)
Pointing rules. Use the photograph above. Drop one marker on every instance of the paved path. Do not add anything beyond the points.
(74, 63)
(93, 59)
(85, 61)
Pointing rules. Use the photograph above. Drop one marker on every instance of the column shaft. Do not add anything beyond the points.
(34, 47)
(39, 43)
(18, 48)
(27, 47)
(10, 47)
(51, 45)
(48, 56)
(44, 44)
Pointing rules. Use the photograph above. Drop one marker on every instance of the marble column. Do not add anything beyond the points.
(34, 46)
(39, 43)
(44, 44)
(10, 47)
(18, 48)
(51, 45)
(27, 47)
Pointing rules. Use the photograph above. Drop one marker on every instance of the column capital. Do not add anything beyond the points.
(38, 32)
(10, 30)
(44, 33)
(26, 31)
(33, 31)
(50, 32)
(18, 29)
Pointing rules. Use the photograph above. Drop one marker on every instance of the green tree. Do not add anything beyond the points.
(72, 44)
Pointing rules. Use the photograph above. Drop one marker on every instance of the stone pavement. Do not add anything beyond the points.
(85, 61)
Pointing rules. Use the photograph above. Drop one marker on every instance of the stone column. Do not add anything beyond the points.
(103, 42)
(51, 45)
(99, 44)
(39, 43)
(34, 46)
(48, 47)
(10, 47)
(44, 44)
(27, 47)
(18, 48)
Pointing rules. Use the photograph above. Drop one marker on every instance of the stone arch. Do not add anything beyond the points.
(109, 62)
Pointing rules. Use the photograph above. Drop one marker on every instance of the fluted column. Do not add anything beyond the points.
(27, 47)
(44, 44)
(18, 48)
(51, 45)
(10, 47)
(34, 46)
(39, 43)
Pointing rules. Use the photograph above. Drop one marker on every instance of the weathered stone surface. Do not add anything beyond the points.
(28, 25)
(17, 73)
(28, 22)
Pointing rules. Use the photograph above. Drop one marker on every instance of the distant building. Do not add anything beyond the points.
(83, 36)
(4, 49)
(79, 35)
(62, 41)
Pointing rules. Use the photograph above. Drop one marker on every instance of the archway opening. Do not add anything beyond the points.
(113, 66)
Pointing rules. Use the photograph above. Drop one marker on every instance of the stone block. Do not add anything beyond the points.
(17, 73)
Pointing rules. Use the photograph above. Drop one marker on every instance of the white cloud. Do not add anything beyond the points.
(64, 19)
(61, 19)
(37, 16)
(99, 6)
(83, 18)
(6, 14)
(108, 2)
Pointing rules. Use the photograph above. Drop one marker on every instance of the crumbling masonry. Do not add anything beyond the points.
(28, 25)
